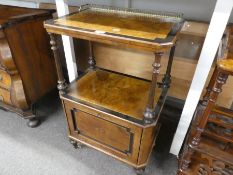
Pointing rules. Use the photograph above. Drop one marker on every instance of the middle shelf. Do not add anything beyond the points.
(113, 91)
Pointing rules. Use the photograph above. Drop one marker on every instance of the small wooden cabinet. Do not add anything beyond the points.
(27, 69)
(112, 119)
(112, 112)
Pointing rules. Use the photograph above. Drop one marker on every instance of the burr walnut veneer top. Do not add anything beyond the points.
(116, 24)
(113, 91)
(132, 28)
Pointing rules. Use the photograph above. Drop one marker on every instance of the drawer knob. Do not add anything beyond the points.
(1, 98)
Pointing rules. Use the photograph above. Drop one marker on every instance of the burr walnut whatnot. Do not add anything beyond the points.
(109, 111)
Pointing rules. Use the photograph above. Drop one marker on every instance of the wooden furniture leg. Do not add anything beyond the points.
(149, 112)
(194, 142)
(167, 77)
(76, 145)
(210, 87)
(61, 80)
(91, 59)
(30, 114)
(140, 171)
(33, 120)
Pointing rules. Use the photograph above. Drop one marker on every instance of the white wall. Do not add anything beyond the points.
(19, 3)
(192, 9)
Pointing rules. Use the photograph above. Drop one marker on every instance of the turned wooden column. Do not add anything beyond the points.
(220, 81)
(167, 77)
(194, 142)
(149, 111)
(61, 80)
(91, 59)
(210, 87)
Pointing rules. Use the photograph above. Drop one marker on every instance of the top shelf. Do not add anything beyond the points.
(148, 29)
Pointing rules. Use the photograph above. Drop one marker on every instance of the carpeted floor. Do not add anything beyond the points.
(46, 150)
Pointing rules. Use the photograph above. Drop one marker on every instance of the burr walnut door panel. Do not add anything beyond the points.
(103, 131)
(106, 133)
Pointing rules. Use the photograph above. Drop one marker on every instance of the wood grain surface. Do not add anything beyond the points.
(111, 23)
(5, 80)
(226, 65)
(9, 13)
(90, 135)
(27, 70)
(113, 91)
(5, 96)
(29, 43)
(99, 131)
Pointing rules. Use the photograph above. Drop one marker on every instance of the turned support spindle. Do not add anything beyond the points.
(167, 77)
(61, 80)
(149, 112)
(91, 59)
(220, 79)
(209, 87)
(217, 88)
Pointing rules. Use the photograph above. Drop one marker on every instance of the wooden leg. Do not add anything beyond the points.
(140, 171)
(210, 87)
(149, 112)
(76, 145)
(61, 80)
(30, 114)
(186, 159)
(33, 120)
(167, 77)
(91, 59)
(220, 81)
(194, 142)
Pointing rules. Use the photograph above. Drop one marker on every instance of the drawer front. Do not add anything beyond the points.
(5, 96)
(104, 132)
(5, 80)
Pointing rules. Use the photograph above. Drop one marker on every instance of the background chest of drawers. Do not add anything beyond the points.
(27, 70)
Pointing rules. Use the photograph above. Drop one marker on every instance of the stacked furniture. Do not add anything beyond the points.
(209, 145)
(27, 69)
(112, 112)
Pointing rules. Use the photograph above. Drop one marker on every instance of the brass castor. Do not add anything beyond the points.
(140, 171)
(76, 145)
(33, 122)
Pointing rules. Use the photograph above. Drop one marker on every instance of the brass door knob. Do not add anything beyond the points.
(1, 77)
